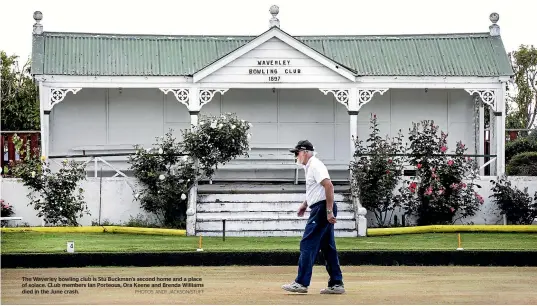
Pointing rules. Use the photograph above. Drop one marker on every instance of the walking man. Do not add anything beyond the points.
(319, 231)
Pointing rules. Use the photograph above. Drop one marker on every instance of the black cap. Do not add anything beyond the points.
(302, 145)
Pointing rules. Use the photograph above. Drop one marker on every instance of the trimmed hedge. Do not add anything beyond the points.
(285, 258)
(523, 164)
(520, 145)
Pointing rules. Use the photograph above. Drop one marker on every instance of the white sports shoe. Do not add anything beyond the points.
(336, 289)
(295, 287)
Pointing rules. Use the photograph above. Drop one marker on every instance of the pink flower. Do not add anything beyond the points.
(413, 187)
(443, 149)
(419, 166)
(429, 190)
(441, 191)
(387, 171)
(479, 198)
(454, 186)
(450, 162)
(463, 185)
(389, 161)
(452, 209)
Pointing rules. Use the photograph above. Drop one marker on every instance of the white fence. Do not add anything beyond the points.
(113, 200)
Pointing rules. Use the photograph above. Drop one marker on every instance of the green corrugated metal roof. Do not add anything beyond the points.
(148, 55)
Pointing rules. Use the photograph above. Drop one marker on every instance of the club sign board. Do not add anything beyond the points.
(275, 70)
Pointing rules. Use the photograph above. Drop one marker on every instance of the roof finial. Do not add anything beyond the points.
(274, 22)
(494, 28)
(38, 27)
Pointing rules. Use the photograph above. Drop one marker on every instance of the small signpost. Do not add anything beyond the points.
(70, 246)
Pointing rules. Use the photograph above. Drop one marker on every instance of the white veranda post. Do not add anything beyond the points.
(347, 97)
(500, 127)
(495, 100)
(194, 99)
(353, 99)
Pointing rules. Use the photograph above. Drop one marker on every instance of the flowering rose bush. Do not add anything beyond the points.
(7, 211)
(443, 190)
(166, 176)
(376, 172)
(56, 196)
(171, 168)
(217, 140)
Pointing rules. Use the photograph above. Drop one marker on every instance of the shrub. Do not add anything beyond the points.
(166, 176)
(443, 187)
(376, 172)
(171, 168)
(217, 140)
(520, 145)
(55, 196)
(523, 164)
(514, 203)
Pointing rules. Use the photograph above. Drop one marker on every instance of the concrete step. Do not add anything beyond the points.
(262, 216)
(273, 172)
(265, 225)
(259, 207)
(261, 188)
(261, 198)
(268, 233)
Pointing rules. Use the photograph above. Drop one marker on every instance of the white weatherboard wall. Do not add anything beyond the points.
(109, 118)
(114, 117)
(118, 205)
(276, 62)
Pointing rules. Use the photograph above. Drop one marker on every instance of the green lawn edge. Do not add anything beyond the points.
(114, 243)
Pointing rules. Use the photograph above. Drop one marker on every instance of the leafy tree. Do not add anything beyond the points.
(20, 103)
(524, 62)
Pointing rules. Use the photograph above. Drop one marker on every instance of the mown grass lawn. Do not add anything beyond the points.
(31, 242)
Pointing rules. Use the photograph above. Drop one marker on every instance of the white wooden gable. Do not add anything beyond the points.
(274, 57)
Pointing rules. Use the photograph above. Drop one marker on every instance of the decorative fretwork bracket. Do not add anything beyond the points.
(487, 96)
(206, 95)
(341, 95)
(58, 94)
(181, 94)
(366, 95)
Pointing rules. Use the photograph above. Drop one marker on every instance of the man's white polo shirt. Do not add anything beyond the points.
(315, 172)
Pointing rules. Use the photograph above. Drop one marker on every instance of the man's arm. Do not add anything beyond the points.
(329, 192)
